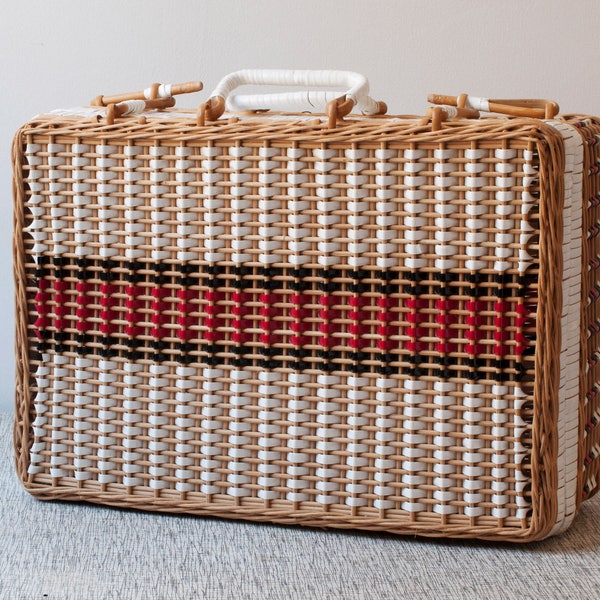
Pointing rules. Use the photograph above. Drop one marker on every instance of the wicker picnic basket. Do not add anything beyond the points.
(326, 319)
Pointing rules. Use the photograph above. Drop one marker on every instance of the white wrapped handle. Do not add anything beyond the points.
(307, 100)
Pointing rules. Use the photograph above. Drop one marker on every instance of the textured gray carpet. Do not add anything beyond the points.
(67, 551)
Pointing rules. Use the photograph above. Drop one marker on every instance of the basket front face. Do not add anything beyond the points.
(267, 327)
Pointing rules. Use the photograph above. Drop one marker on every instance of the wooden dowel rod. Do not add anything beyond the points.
(188, 87)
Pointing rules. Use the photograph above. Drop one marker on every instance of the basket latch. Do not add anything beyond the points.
(535, 108)
(157, 96)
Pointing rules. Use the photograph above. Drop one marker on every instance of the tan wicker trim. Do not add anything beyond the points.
(544, 466)
(23, 407)
(280, 132)
(319, 519)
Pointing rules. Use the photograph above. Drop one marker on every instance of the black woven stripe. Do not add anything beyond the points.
(442, 367)
(358, 281)
(62, 266)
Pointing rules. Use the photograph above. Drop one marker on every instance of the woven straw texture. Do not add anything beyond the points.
(589, 128)
(268, 319)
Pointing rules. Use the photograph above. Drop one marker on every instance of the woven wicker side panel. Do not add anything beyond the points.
(332, 333)
(589, 128)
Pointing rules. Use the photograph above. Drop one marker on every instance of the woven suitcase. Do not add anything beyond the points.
(326, 319)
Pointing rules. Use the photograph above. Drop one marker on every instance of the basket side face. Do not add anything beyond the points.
(589, 129)
(315, 329)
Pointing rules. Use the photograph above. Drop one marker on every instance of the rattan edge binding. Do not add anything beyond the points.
(22, 423)
(583, 346)
(545, 434)
(251, 513)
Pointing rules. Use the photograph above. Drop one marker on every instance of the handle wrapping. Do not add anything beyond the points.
(311, 100)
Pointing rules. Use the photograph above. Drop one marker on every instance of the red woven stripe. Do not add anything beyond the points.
(299, 325)
(385, 330)
(270, 312)
(41, 306)
(447, 322)
(501, 322)
(83, 300)
(273, 317)
(41, 299)
(327, 326)
(358, 328)
(108, 301)
(241, 323)
(60, 298)
(163, 313)
(185, 322)
(133, 303)
(415, 317)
